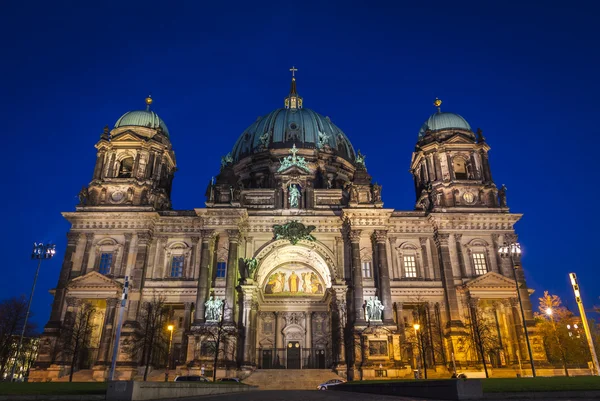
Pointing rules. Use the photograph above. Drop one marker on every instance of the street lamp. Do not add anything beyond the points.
(170, 328)
(40, 252)
(510, 250)
(584, 321)
(421, 349)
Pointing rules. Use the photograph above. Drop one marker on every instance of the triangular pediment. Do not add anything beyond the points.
(490, 280)
(127, 136)
(459, 138)
(293, 170)
(94, 280)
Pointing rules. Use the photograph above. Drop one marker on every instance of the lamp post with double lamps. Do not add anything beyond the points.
(510, 250)
(170, 328)
(40, 252)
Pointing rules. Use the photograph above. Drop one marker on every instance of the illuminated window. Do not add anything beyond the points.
(177, 266)
(105, 263)
(460, 168)
(480, 264)
(410, 266)
(221, 269)
(366, 270)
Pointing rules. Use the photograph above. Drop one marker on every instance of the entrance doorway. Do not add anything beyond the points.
(320, 359)
(293, 355)
(267, 359)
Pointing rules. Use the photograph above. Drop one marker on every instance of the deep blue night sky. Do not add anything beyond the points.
(525, 73)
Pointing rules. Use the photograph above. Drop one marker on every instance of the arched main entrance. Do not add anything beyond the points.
(293, 328)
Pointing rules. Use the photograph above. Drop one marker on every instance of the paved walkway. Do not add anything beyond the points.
(315, 395)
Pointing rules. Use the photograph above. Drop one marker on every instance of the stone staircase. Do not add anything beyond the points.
(289, 379)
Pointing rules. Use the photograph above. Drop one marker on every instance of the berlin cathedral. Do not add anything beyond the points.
(295, 250)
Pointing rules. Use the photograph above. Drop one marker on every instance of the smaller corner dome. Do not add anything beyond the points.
(439, 121)
(142, 118)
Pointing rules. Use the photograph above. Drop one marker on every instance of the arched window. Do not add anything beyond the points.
(478, 253)
(178, 260)
(459, 166)
(125, 167)
(106, 256)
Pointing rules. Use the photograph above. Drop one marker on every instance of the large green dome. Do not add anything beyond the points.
(285, 127)
(439, 121)
(142, 118)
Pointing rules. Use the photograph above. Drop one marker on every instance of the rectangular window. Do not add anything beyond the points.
(366, 270)
(410, 266)
(177, 266)
(221, 269)
(105, 263)
(479, 263)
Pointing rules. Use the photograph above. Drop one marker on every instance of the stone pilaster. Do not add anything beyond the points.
(384, 274)
(395, 269)
(203, 275)
(126, 247)
(193, 265)
(497, 258)
(89, 240)
(99, 165)
(63, 279)
(232, 268)
(453, 315)
(187, 316)
(460, 255)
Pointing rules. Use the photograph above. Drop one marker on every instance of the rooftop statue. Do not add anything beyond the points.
(227, 159)
(293, 160)
(214, 309)
(294, 196)
(360, 159)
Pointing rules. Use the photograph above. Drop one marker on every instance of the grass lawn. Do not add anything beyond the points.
(530, 384)
(79, 388)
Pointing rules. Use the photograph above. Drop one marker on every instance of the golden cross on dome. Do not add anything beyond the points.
(293, 70)
(293, 151)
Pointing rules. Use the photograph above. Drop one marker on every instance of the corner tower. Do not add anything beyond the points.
(451, 169)
(135, 165)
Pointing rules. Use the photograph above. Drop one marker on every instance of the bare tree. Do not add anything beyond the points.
(218, 340)
(76, 335)
(149, 342)
(482, 333)
(12, 318)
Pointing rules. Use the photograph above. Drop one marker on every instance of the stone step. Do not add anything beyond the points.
(290, 379)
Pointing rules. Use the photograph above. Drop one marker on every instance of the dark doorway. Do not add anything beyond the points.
(293, 355)
(267, 359)
(320, 359)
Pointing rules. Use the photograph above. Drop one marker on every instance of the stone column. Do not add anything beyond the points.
(203, 280)
(107, 330)
(110, 173)
(137, 275)
(278, 328)
(248, 305)
(426, 267)
(187, 313)
(123, 267)
(430, 168)
(232, 268)
(453, 315)
(438, 167)
(384, 275)
(192, 272)
(63, 279)
(487, 174)
(89, 237)
(357, 284)
(136, 165)
(308, 328)
(99, 165)
(395, 269)
(460, 255)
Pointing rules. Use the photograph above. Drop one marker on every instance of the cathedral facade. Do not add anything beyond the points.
(295, 250)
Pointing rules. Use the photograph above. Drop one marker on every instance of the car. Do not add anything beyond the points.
(329, 383)
(191, 378)
(229, 379)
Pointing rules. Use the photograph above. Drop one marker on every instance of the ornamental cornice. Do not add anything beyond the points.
(367, 217)
(473, 221)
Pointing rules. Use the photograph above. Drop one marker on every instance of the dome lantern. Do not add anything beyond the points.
(293, 101)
